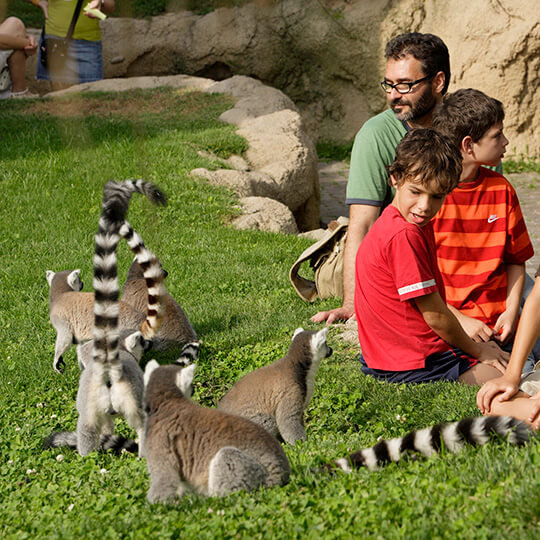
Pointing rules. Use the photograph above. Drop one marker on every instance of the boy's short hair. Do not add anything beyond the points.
(428, 49)
(425, 155)
(467, 112)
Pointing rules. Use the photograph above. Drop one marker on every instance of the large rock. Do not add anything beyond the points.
(327, 55)
(265, 214)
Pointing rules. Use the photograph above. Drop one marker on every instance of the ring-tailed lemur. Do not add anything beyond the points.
(209, 451)
(283, 388)
(175, 329)
(112, 381)
(71, 312)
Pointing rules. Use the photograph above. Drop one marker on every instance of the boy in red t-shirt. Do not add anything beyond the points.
(406, 331)
(481, 238)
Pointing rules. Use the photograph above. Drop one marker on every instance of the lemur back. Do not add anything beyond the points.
(175, 329)
(276, 396)
(188, 447)
(112, 381)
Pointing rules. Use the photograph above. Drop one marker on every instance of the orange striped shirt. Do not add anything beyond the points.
(478, 231)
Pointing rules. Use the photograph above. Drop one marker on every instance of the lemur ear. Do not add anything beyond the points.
(184, 380)
(297, 331)
(74, 281)
(50, 275)
(150, 367)
(319, 338)
(133, 340)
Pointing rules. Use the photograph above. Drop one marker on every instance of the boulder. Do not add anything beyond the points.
(261, 213)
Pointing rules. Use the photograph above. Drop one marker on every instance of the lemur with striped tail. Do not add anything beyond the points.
(112, 382)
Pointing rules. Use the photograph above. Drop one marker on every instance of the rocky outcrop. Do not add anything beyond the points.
(261, 213)
(280, 163)
(327, 55)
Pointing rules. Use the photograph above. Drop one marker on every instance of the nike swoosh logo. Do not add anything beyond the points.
(491, 219)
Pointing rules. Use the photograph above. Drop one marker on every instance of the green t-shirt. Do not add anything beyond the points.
(60, 15)
(374, 148)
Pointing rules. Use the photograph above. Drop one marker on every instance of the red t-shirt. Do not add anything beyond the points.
(479, 230)
(395, 263)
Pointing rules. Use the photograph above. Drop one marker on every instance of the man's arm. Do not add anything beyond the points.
(441, 320)
(361, 218)
(506, 323)
(475, 329)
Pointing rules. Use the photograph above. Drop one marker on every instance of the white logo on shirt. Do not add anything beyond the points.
(492, 218)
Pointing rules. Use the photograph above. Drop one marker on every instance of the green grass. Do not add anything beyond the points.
(234, 287)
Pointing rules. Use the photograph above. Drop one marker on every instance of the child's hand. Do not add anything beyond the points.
(505, 326)
(31, 48)
(492, 354)
(501, 388)
(475, 329)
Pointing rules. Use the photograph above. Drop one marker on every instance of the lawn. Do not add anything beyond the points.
(55, 156)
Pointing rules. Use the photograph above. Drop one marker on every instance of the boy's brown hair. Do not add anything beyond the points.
(467, 112)
(424, 156)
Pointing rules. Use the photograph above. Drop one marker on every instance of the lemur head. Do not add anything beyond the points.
(160, 380)
(67, 280)
(310, 342)
(135, 344)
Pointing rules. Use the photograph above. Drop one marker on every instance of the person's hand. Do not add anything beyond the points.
(44, 5)
(534, 417)
(338, 314)
(505, 326)
(475, 329)
(31, 48)
(501, 389)
(493, 355)
(94, 4)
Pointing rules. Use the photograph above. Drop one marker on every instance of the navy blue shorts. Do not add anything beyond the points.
(84, 63)
(447, 366)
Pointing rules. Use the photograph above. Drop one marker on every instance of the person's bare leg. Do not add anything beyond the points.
(17, 61)
(520, 407)
(479, 374)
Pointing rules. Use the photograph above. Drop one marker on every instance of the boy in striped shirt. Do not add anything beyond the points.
(481, 237)
(406, 331)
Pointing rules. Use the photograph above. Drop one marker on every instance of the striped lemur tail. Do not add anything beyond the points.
(116, 198)
(116, 443)
(453, 436)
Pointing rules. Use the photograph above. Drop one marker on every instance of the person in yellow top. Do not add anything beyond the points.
(84, 62)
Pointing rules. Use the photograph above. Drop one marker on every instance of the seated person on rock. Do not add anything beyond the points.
(481, 238)
(15, 47)
(501, 396)
(406, 331)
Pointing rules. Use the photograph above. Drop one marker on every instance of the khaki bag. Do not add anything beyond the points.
(326, 258)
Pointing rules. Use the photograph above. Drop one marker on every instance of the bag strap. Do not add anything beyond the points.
(76, 14)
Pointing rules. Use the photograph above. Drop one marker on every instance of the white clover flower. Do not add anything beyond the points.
(398, 416)
(17, 428)
(10, 462)
(70, 507)
(103, 471)
(59, 458)
(220, 512)
(39, 405)
(30, 471)
(210, 510)
(54, 416)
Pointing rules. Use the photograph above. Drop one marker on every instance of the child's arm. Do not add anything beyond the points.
(506, 323)
(527, 334)
(442, 321)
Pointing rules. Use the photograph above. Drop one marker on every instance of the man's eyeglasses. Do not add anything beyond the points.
(402, 87)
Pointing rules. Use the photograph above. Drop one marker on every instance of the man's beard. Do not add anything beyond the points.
(423, 106)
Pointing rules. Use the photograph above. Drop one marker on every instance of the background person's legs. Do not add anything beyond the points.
(17, 61)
